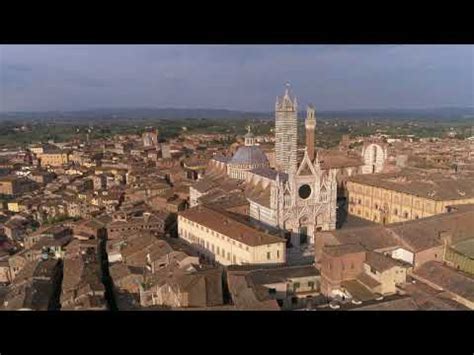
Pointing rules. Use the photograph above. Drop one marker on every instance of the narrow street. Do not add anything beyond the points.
(106, 279)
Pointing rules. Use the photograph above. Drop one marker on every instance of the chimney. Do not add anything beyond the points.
(446, 237)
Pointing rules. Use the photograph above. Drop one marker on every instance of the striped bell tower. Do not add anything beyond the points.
(286, 111)
(310, 126)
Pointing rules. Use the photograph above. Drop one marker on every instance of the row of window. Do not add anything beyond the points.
(297, 285)
(342, 266)
(216, 250)
(141, 227)
(395, 212)
(397, 200)
(215, 234)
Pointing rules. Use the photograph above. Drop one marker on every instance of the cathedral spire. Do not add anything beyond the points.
(286, 102)
(316, 162)
(287, 90)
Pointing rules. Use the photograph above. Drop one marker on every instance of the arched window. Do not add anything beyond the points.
(324, 194)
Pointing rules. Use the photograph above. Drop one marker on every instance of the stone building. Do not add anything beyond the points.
(455, 285)
(460, 255)
(123, 222)
(54, 158)
(385, 272)
(126, 278)
(42, 177)
(165, 151)
(219, 237)
(82, 286)
(5, 276)
(14, 186)
(177, 288)
(340, 263)
(413, 242)
(17, 262)
(290, 286)
(374, 155)
(350, 271)
(410, 194)
(150, 138)
(35, 287)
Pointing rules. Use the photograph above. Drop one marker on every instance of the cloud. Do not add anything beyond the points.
(244, 77)
(17, 68)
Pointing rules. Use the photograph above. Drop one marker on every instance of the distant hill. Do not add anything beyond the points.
(441, 113)
(137, 113)
(118, 114)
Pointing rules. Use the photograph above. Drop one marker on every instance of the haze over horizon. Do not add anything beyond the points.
(234, 77)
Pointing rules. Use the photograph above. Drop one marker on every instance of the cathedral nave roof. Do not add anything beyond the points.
(270, 173)
(258, 194)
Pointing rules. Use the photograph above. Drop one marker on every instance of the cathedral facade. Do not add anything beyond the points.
(299, 197)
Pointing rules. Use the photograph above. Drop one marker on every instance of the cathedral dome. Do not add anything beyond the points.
(249, 155)
(246, 158)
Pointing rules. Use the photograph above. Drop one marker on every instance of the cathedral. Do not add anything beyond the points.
(298, 197)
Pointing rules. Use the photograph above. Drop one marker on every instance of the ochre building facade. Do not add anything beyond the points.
(378, 199)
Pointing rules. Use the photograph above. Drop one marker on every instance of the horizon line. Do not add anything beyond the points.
(237, 110)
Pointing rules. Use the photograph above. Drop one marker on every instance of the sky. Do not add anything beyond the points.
(240, 77)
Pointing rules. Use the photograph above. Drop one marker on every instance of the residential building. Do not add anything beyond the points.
(460, 255)
(123, 223)
(183, 289)
(82, 287)
(340, 263)
(15, 186)
(53, 158)
(150, 138)
(459, 286)
(414, 242)
(290, 286)
(35, 287)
